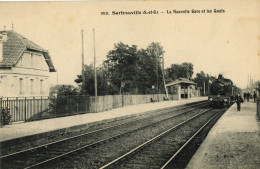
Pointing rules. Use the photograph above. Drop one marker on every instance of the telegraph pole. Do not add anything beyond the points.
(82, 69)
(204, 90)
(57, 77)
(166, 92)
(95, 71)
(157, 69)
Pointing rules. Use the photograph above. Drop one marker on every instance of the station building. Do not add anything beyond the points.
(24, 67)
(183, 87)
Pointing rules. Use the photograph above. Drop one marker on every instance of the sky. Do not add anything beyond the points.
(227, 42)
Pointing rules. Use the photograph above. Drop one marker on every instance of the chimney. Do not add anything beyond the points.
(3, 39)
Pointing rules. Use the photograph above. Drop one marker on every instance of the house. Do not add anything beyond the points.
(24, 67)
(183, 87)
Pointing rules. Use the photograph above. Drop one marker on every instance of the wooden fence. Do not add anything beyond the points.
(104, 103)
(26, 109)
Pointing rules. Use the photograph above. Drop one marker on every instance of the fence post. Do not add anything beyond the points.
(67, 105)
(17, 110)
(95, 104)
(77, 104)
(55, 103)
(122, 100)
(41, 104)
(85, 101)
(25, 109)
(6, 106)
(34, 105)
(1, 99)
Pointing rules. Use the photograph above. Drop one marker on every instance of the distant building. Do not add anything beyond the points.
(183, 87)
(24, 67)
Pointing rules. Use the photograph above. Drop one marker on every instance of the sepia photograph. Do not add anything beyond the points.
(130, 84)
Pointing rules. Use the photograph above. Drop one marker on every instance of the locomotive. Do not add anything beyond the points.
(222, 92)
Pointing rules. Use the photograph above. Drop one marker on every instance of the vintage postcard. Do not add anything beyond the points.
(90, 84)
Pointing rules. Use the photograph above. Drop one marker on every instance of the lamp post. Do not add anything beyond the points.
(153, 87)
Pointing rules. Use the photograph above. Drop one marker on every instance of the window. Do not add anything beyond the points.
(21, 86)
(21, 61)
(32, 60)
(42, 63)
(14, 84)
(31, 86)
(41, 87)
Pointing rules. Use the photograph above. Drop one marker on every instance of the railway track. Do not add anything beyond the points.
(40, 155)
(162, 150)
(15, 148)
(182, 157)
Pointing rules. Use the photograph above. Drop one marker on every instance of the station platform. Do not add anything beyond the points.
(233, 143)
(22, 132)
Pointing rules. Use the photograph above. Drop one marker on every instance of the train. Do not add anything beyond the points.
(222, 92)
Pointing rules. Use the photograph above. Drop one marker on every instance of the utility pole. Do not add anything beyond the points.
(164, 77)
(82, 69)
(57, 77)
(204, 90)
(157, 69)
(95, 71)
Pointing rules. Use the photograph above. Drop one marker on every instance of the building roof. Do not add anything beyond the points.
(14, 47)
(180, 81)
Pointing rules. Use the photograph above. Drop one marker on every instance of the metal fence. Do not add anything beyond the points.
(24, 108)
(35, 108)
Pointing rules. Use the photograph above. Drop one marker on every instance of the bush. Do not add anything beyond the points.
(6, 117)
(65, 103)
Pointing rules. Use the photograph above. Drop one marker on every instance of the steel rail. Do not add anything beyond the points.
(188, 141)
(149, 141)
(88, 133)
(104, 140)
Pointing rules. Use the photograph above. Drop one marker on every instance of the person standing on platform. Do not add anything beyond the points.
(247, 96)
(254, 96)
(239, 100)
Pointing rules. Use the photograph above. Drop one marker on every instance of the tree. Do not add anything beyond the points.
(122, 64)
(65, 97)
(187, 68)
(89, 80)
(176, 71)
(138, 69)
(104, 86)
(201, 79)
(126, 69)
(152, 65)
(67, 90)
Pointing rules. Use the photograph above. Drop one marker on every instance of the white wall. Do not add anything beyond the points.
(33, 60)
(28, 69)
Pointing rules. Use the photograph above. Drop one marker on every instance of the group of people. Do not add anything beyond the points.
(240, 100)
(248, 96)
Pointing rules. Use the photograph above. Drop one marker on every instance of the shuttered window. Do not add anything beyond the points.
(41, 87)
(21, 92)
(31, 86)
